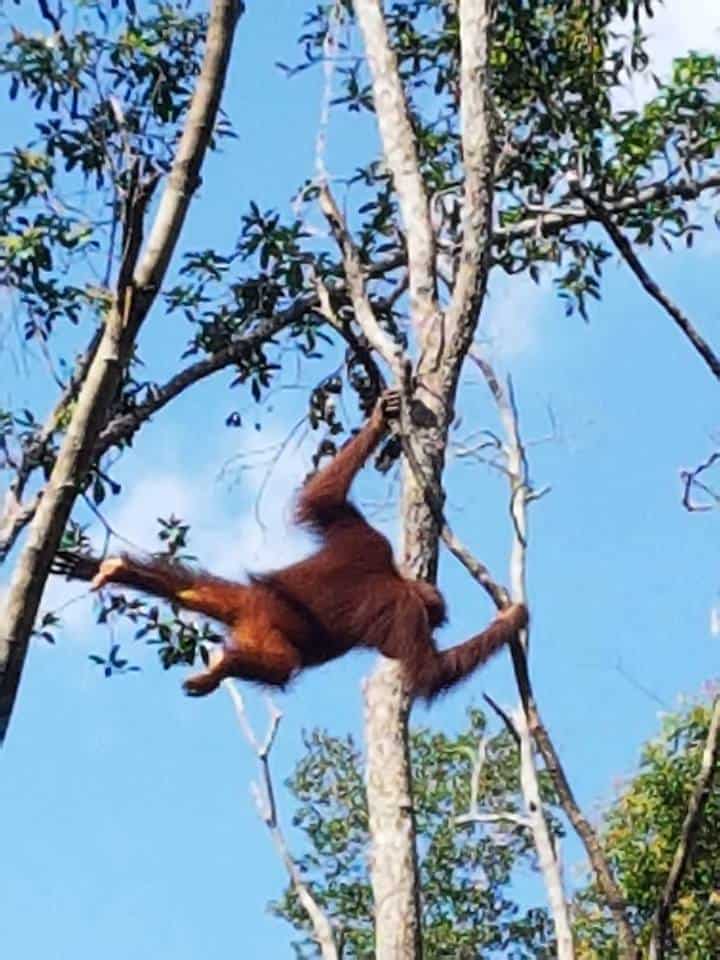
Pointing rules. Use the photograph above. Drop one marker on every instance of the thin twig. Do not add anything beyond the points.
(502, 817)
(478, 768)
(504, 716)
(562, 217)
(690, 480)
(50, 16)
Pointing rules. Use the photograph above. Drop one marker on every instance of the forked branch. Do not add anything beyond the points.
(520, 495)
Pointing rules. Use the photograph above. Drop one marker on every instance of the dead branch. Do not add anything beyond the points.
(266, 804)
(123, 320)
(477, 570)
(521, 717)
(520, 493)
(548, 860)
(691, 480)
(503, 817)
(688, 835)
(475, 814)
(504, 716)
(364, 313)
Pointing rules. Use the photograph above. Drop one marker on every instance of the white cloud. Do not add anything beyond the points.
(510, 321)
(226, 540)
(682, 25)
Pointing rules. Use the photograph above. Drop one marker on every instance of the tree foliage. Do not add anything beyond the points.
(559, 70)
(641, 834)
(471, 873)
(103, 91)
(468, 871)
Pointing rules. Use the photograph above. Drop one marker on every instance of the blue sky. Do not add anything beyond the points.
(129, 826)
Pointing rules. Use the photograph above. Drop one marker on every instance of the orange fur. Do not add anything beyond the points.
(347, 594)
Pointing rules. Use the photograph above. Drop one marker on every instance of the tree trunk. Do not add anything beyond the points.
(140, 278)
(393, 861)
(393, 856)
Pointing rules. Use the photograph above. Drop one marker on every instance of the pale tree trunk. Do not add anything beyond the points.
(393, 862)
(444, 337)
(393, 866)
(140, 277)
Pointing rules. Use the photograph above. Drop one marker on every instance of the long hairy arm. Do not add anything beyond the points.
(325, 494)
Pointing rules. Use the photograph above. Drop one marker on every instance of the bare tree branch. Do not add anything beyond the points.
(132, 302)
(616, 903)
(520, 492)
(475, 814)
(691, 481)
(364, 314)
(398, 140)
(542, 838)
(477, 570)
(124, 426)
(49, 15)
(504, 716)
(521, 718)
(626, 251)
(507, 817)
(554, 220)
(267, 809)
(688, 836)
